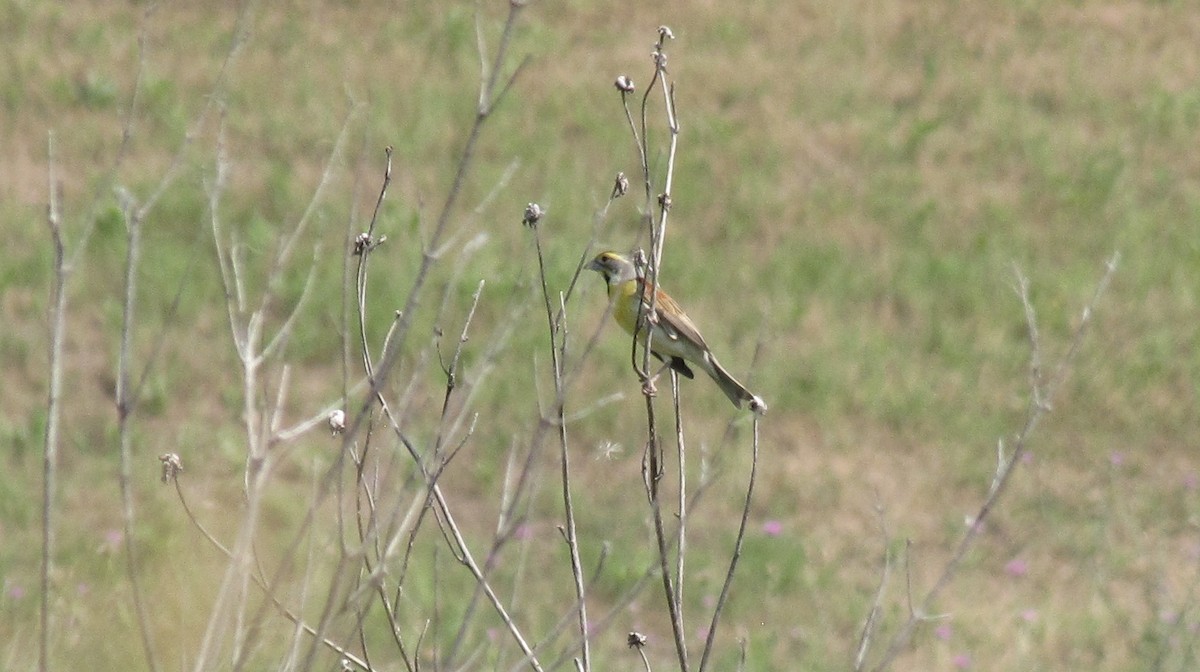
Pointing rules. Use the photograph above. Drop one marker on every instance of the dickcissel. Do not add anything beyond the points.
(674, 339)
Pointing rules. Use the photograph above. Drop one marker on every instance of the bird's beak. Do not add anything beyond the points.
(594, 265)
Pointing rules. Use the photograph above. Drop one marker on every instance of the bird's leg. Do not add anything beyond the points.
(648, 388)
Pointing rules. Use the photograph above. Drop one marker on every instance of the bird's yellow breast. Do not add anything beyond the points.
(625, 298)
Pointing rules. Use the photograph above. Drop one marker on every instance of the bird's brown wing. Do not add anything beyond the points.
(672, 318)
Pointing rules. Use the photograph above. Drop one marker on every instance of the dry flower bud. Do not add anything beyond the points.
(533, 213)
(620, 186)
(337, 422)
(624, 84)
(758, 405)
(362, 242)
(635, 640)
(665, 33)
(171, 466)
(640, 262)
(664, 201)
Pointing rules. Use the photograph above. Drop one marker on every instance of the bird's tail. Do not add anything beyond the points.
(736, 392)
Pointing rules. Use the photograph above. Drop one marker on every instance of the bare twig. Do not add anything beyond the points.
(258, 580)
(125, 403)
(558, 345)
(1041, 399)
(872, 621)
(489, 97)
(58, 311)
(653, 469)
(681, 507)
(737, 553)
(254, 348)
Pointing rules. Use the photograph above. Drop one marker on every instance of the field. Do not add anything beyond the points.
(857, 190)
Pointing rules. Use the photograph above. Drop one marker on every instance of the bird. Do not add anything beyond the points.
(674, 339)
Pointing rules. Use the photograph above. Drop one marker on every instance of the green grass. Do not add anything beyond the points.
(854, 186)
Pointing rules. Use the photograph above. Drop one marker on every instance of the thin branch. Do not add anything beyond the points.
(557, 334)
(125, 402)
(488, 102)
(737, 553)
(872, 621)
(643, 334)
(1039, 404)
(681, 510)
(58, 310)
(258, 580)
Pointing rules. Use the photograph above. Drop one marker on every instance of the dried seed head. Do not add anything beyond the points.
(171, 466)
(337, 422)
(362, 242)
(533, 213)
(624, 84)
(758, 405)
(664, 201)
(664, 33)
(635, 640)
(620, 186)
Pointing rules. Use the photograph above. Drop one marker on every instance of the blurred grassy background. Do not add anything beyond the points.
(855, 183)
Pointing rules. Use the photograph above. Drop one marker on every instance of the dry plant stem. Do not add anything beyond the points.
(458, 544)
(463, 555)
(332, 607)
(558, 346)
(489, 97)
(652, 477)
(361, 275)
(452, 370)
(645, 661)
(254, 355)
(652, 569)
(126, 400)
(58, 311)
(508, 521)
(259, 581)
(885, 572)
(1041, 396)
(654, 469)
(247, 326)
(62, 270)
(619, 606)
(737, 553)
(125, 403)
(574, 374)
(434, 493)
(507, 514)
(681, 510)
(351, 234)
(134, 217)
(658, 240)
(657, 233)
(570, 614)
(417, 511)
